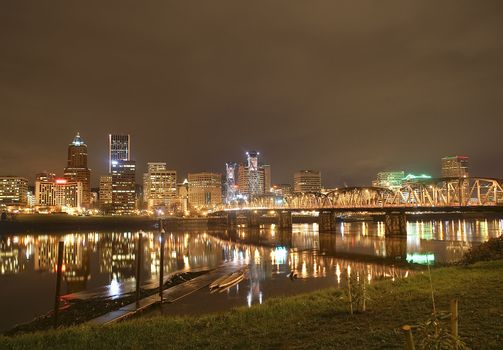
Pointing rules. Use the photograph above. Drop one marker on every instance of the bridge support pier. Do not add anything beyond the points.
(284, 219)
(327, 221)
(395, 224)
(232, 220)
(252, 219)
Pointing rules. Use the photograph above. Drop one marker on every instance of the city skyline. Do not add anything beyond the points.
(347, 90)
(143, 166)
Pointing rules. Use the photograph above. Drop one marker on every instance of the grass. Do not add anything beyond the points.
(311, 321)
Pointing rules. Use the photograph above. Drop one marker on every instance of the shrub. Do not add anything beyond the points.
(490, 250)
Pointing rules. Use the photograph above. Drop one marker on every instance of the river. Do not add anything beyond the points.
(98, 259)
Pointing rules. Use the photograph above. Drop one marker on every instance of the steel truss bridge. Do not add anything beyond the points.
(435, 194)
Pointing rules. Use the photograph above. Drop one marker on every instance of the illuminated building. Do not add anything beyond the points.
(159, 186)
(123, 186)
(415, 178)
(58, 194)
(389, 179)
(205, 189)
(119, 148)
(307, 181)
(77, 170)
(105, 195)
(253, 177)
(267, 178)
(230, 182)
(30, 199)
(13, 191)
(281, 189)
(456, 166)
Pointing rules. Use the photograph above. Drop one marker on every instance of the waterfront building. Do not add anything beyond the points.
(389, 179)
(119, 148)
(307, 181)
(77, 170)
(159, 186)
(455, 167)
(123, 186)
(205, 189)
(58, 194)
(13, 191)
(30, 199)
(105, 191)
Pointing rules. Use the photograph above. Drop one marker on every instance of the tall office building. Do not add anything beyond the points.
(205, 189)
(267, 178)
(307, 181)
(123, 186)
(13, 191)
(230, 182)
(77, 170)
(159, 186)
(455, 167)
(389, 179)
(254, 179)
(119, 148)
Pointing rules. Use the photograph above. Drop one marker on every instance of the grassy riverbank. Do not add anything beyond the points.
(315, 320)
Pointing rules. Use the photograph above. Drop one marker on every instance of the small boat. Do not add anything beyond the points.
(216, 282)
(239, 279)
(227, 280)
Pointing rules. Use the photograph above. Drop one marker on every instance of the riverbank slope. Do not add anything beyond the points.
(311, 321)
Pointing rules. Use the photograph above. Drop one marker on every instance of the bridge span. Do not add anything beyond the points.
(444, 195)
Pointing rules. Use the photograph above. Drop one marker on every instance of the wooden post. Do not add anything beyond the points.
(409, 340)
(161, 267)
(349, 291)
(139, 254)
(364, 302)
(61, 246)
(454, 320)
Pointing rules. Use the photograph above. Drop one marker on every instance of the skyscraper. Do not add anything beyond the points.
(77, 170)
(123, 186)
(307, 181)
(119, 148)
(230, 182)
(253, 178)
(455, 166)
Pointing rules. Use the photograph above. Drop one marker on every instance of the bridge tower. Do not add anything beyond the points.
(327, 221)
(284, 219)
(395, 224)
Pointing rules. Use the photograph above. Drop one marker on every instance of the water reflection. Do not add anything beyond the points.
(97, 259)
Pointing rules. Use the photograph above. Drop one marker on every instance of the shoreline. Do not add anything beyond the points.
(42, 223)
(313, 320)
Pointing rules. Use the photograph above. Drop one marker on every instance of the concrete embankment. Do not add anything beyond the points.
(38, 223)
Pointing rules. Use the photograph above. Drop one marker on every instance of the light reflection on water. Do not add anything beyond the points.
(92, 260)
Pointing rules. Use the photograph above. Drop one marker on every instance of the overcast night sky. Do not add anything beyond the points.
(346, 87)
